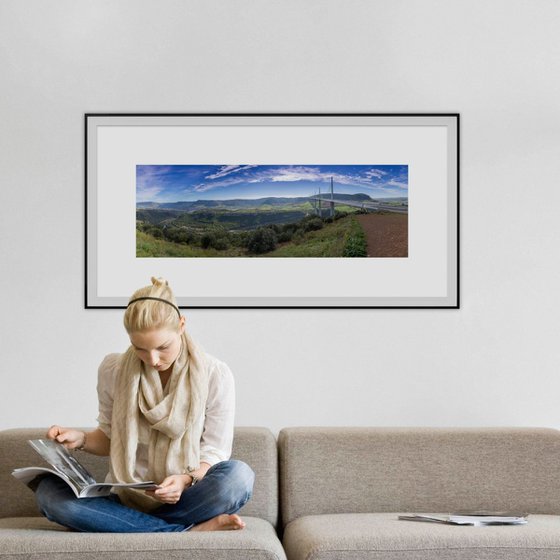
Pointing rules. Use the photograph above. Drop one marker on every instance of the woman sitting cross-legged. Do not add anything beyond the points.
(166, 412)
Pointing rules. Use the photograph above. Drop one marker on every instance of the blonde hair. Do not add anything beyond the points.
(148, 314)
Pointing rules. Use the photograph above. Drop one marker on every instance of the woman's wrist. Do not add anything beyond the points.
(187, 480)
(190, 479)
(82, 447)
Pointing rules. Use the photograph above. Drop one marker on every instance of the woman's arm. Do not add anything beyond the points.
(95, 442)
(217, 436)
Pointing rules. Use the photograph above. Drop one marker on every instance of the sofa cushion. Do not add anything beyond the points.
(362, 470)
(39, 539)
(256, 446)
(382, 536)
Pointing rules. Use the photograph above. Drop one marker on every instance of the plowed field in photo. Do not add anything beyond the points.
(386, 234)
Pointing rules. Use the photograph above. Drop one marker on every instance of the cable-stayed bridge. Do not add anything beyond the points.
(368, 206)
(374, 206)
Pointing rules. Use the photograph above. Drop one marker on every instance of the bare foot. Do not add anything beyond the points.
(222, 522)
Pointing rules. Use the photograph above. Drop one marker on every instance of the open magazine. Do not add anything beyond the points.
(477, 518)
(68, 468)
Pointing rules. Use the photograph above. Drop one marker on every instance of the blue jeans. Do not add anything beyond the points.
(226, 488)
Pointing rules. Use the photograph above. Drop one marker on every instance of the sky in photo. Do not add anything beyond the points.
(174, 183)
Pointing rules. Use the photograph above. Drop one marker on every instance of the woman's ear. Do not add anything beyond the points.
(182, 322)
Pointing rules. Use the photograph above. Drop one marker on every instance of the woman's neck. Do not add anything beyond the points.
(164, 376)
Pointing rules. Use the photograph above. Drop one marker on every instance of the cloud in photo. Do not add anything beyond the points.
(172, 183)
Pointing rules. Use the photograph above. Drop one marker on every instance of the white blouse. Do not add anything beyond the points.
(217, 435)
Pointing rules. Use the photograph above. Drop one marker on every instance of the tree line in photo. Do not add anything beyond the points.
(258, 241)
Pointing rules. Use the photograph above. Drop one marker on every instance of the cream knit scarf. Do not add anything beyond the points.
(174, 419)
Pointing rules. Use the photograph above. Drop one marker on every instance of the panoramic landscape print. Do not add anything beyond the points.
(185, 211)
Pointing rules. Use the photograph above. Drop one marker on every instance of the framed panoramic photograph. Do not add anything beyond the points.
(274, 210)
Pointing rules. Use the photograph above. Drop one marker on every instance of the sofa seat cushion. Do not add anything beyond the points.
(38, 539)
(382, 536)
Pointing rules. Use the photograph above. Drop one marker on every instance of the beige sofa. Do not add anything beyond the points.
(342, 489)
(25, 535)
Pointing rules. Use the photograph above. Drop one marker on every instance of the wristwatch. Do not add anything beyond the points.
(195, 478)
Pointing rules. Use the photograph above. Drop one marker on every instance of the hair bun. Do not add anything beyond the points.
(159, 282)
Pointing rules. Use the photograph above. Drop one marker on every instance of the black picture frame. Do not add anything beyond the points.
(426, 142)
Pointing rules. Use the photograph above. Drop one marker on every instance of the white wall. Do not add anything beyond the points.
(493, 362)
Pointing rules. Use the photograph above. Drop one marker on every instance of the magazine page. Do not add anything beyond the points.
(489, 518)
(477, 520)
(63, 462)
(427, 518)
(28, 474)
(104, 488)
(69, 469)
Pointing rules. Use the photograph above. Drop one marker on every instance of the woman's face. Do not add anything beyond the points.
(158, 348)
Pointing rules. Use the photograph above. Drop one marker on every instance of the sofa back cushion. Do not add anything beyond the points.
(255, 446)
(360, 470)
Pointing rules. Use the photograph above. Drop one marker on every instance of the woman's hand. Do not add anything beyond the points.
(70, 438)
(170, 489)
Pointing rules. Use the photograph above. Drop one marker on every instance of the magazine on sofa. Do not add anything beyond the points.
(475, 518)
(68, 468)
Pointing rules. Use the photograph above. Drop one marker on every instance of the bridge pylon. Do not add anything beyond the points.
(332, 199)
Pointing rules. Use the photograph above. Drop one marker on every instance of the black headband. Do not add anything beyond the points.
(155, 299)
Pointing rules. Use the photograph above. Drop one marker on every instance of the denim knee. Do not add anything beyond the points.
(54, 497)
(243, 475)
(241, 479)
